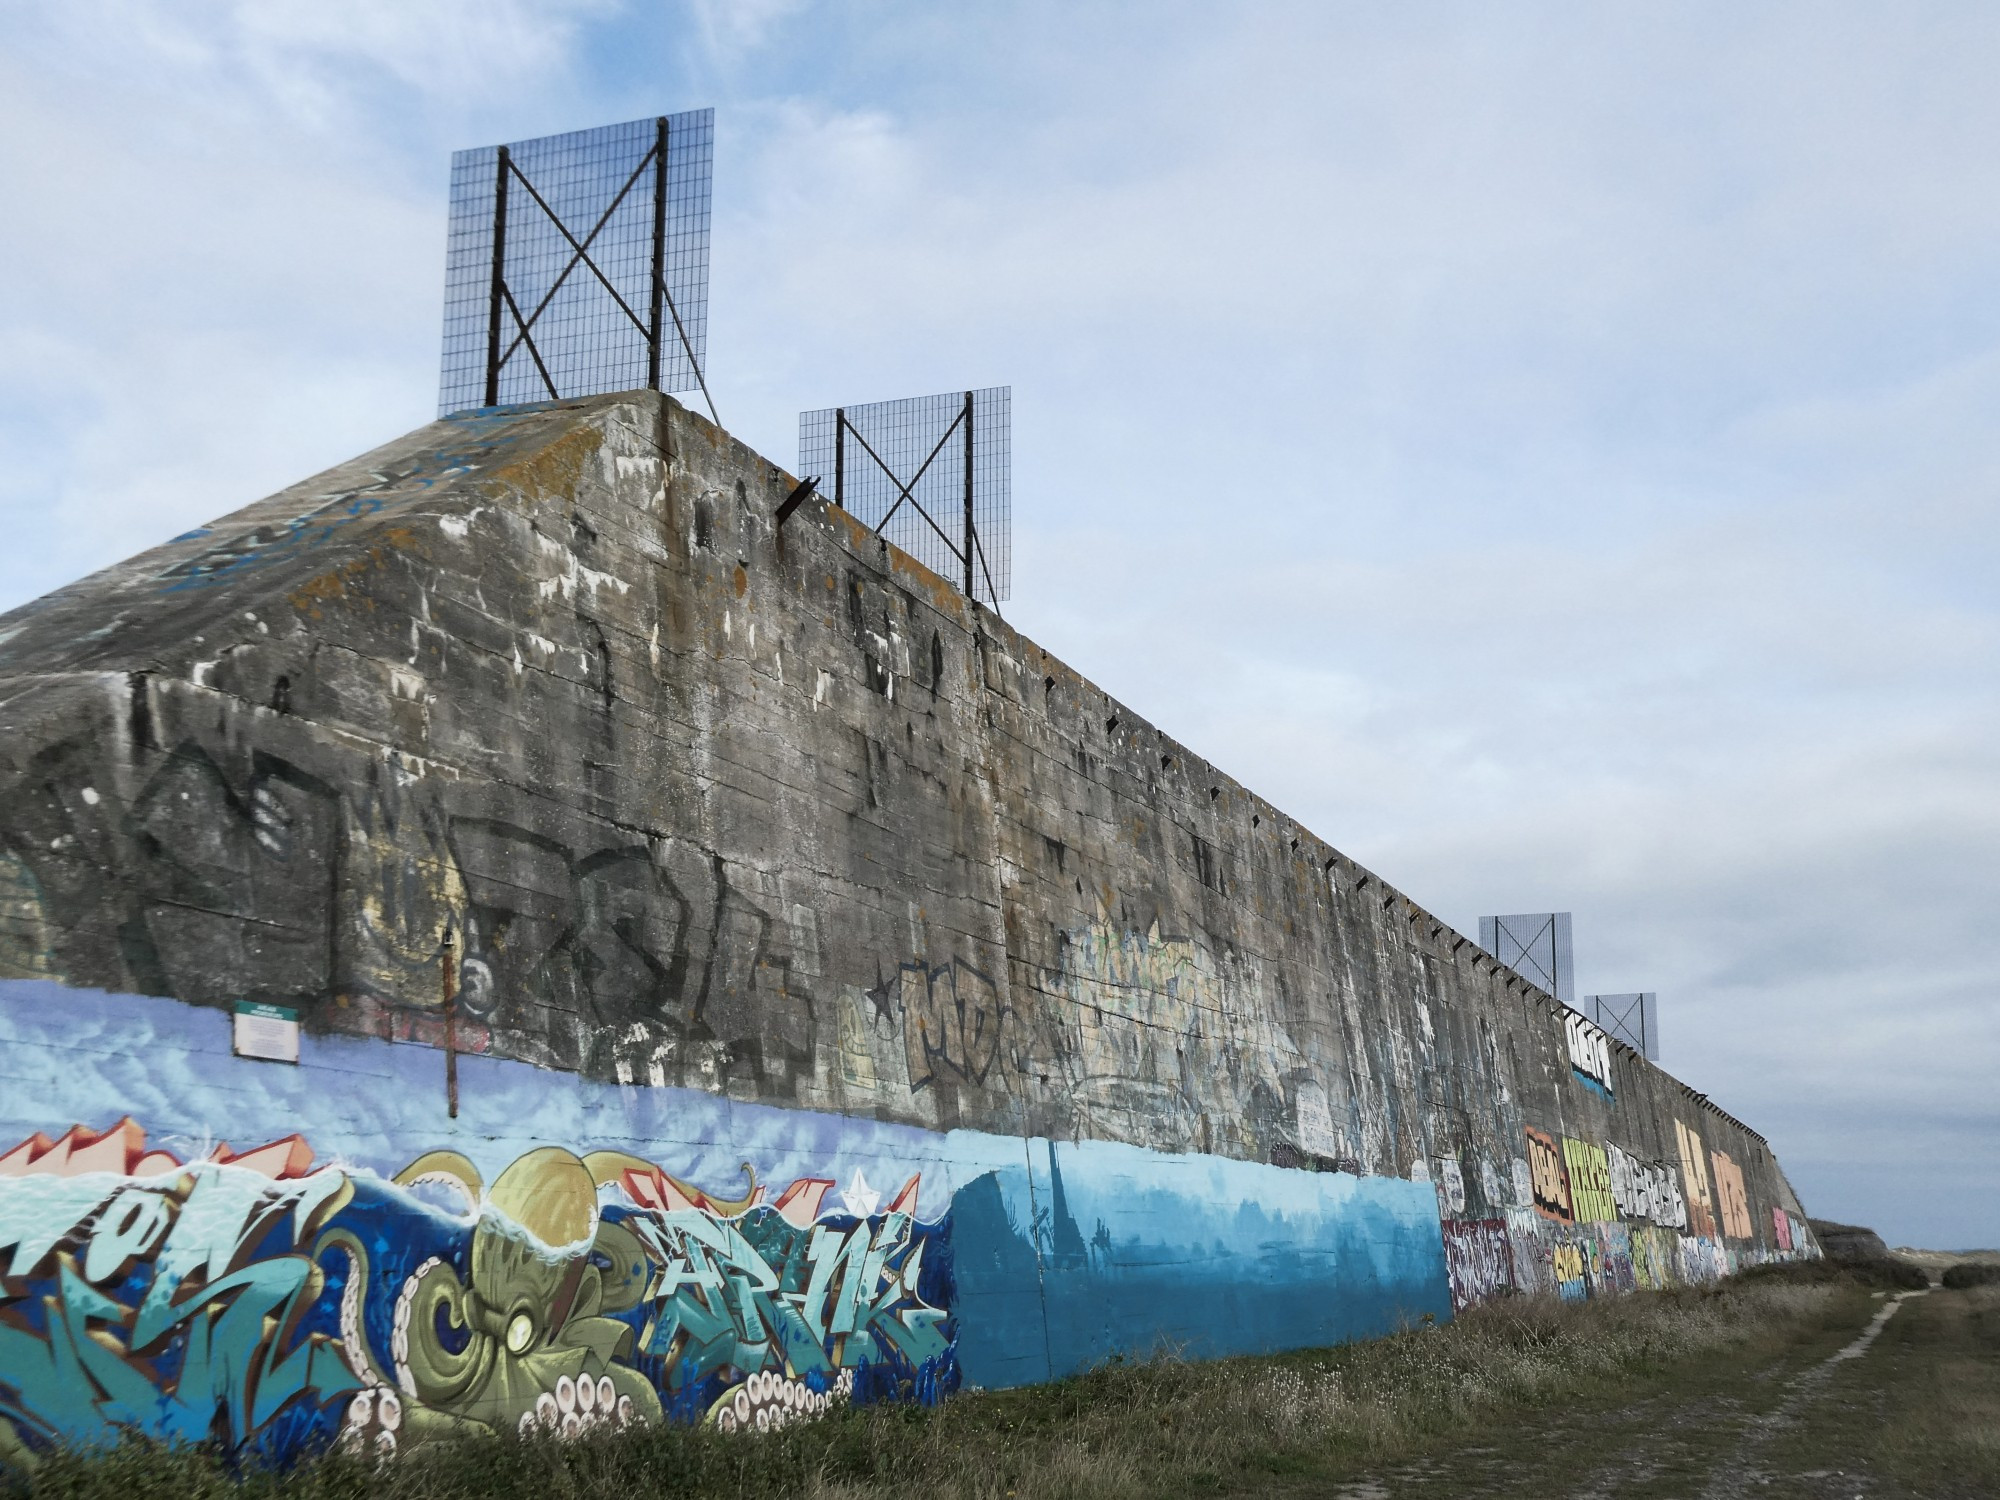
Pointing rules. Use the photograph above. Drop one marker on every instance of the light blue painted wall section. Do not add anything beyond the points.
(1063, 1253)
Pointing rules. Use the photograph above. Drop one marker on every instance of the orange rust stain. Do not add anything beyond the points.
(554, 471)
(857, 534)
(333, 585)
(742, 580)
(944, 594)
(327, 586)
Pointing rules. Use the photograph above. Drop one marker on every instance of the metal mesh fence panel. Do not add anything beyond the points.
(580, 224)
(1536, 946)
(906, 468)
(1633, 1019)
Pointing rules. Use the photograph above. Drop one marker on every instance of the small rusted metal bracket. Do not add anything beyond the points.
(797, 498)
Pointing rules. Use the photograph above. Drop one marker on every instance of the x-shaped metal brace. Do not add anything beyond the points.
(662, 300)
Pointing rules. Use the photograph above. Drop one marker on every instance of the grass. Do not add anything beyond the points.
(1888, 1273)
(1919, 1416)
(1971, 1273)
(1160, 1428)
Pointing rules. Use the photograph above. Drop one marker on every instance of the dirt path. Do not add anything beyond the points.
(1908, 1406)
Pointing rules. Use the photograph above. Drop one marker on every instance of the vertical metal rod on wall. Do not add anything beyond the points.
(498, 290)
(450, 1030)
(968, 496)
(653, 331)
(840, 456)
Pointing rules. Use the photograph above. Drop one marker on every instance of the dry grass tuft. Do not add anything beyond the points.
(1134, 1430)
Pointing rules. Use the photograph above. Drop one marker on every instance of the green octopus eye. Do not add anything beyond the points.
(520, 1333)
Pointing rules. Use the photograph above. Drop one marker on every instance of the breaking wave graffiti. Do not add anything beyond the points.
(277, 1307)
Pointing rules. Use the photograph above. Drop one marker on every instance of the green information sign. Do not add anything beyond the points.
(269, 1033)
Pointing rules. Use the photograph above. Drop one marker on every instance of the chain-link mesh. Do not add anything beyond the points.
(900, 467)
(586, 332)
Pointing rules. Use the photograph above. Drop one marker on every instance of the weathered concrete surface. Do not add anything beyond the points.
(1848, 1241)
(778, 815)
(757, 847)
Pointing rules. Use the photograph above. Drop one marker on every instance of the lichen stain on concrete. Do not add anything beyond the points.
(555, 471)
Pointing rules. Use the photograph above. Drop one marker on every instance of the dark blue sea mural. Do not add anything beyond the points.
(280, 1306)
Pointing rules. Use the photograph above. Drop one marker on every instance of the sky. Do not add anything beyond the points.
(1547, 449)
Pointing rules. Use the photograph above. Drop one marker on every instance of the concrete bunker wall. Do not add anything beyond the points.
(784, 853)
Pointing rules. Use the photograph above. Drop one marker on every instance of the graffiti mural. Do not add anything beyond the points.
(279, 1306)
(182, 1301)
(1655, 1252)
(1551, 1180)
(1571, 1268)
(1698, 1260)
(1589, 1050)
(1732, 1196)
(1612, 1271)
(1157, 1027)
(953, 1020)
(1643, 1190)
(1694, 1170)
(1589, 1182)
(1479, 1258)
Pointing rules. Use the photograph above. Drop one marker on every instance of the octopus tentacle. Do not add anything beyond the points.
(354, 1351)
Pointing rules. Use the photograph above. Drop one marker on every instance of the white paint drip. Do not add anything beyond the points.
(574, 573)
(456, 527)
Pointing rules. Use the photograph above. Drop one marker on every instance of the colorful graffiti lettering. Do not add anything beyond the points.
(181, 1299)
(1611, 1266)
(1570, 1269)
(1589, 1182)
(1699, 1260)
(1654, 1252)
(1645, 1191)
(253, 1298)
(1694, 1168)
(1479, 1258)
(1732, 1196)
(1551, 1182)
(1589, 1049)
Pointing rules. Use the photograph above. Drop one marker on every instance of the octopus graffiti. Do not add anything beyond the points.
(278, 1306)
